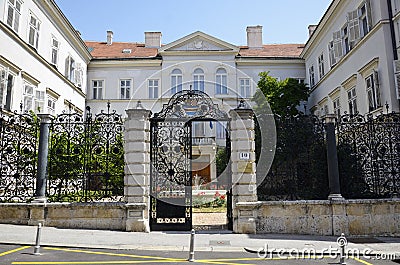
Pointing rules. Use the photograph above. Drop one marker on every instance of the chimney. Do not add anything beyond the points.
(109, 37)
(254, 37)
(311, 29)
(152, 39)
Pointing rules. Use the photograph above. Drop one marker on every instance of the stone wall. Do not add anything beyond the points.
(351, 217)
(107, 216)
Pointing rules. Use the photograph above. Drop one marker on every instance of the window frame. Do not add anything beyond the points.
(35, 30)
(54, 51)
(321, 65)
(51, 109)
(176, 81)
(6, 87)
(311, 74)
(14, 9)
(245, 89)
(221, 81)
(352, 100)
(373, 92)
(125, 91)
(97, 90)
(152, 88)
(198, 80)
(336, 106)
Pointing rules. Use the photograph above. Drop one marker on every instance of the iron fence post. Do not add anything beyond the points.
(332, 158)
(40, 192)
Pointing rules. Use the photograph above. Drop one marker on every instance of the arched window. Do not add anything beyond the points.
(221, 81)
(176, 81)
(198, 79)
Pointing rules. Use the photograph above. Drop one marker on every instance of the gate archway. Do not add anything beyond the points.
(171, 158)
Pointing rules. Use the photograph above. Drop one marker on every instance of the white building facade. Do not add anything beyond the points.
(350, 58)
(43, 60)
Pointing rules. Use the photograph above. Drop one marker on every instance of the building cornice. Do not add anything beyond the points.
(99, 63)
(197, 53)
(38, 57)
(267, 61)
(14, 68)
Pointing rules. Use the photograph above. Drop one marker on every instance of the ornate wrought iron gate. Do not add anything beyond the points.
(171, 156)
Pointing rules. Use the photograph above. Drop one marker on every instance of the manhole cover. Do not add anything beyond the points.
(220, 243)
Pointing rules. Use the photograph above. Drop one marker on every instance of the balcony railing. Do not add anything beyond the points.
(196, 141)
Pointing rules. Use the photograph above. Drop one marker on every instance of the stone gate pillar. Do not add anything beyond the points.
(243, 157)
(137, 169)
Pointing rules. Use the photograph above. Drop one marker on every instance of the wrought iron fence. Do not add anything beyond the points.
(86, 157)
(299, 169)
(18, 155)
(368, 152)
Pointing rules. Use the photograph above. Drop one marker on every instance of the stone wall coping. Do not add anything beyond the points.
(328, 202)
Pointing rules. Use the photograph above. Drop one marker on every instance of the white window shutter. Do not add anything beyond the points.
(396, 65)
(354, 26)
(67, 67)
(337, 45)
(369, 13)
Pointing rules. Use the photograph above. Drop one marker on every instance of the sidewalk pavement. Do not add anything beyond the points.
(219, 241)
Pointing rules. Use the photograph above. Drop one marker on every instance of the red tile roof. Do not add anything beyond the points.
(273, 50)
(100, 50)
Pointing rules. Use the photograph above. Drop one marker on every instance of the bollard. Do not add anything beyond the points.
(342, 242)
(191, 247)
(36, 250)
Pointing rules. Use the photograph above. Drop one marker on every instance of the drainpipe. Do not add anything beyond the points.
(392, 32)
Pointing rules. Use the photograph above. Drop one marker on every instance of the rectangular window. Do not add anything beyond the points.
(70, 67)
(321, 67)
(365, 17)
(198, 82)
(373, 93)
(337, 45)
(34, 27)
(54, 50)
(125, 88)
(354, 26)
(312, 77)
(176, 83)
(97, 88)
(39, 101)
(6, 87)
(332, 57)
(198, 129)
(336, 107)
(245, 88)
(220, 130)
(352, 100)
(345, 40)
(51, 105)
(221, 84)
(13, 14)
(153, 88)
(28, 96)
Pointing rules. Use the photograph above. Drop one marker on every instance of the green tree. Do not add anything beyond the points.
(283, 97)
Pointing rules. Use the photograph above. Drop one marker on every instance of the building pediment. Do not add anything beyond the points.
(198, 42)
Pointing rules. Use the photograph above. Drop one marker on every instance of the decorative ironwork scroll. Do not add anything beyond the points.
(171, 178)
(369, 161)
(86, 157)
(18, 152)
(171, 154)
(191, 104)
(299, 169)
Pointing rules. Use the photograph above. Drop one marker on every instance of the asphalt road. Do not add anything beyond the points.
(23, 255)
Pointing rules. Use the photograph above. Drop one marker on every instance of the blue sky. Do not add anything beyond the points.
(283, 21)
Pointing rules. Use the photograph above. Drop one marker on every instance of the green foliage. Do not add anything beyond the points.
(283, 97)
